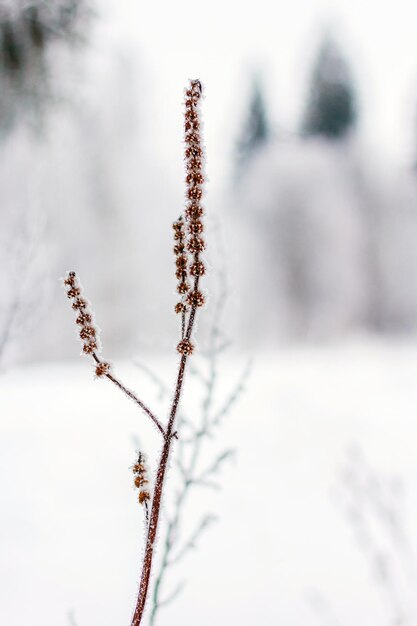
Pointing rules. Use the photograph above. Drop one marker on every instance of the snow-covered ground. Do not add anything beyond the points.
(71, 532)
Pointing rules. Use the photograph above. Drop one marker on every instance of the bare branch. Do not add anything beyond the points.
(234, 395)
(163, 388)
(216, 465)
(173, 595)
(130, 394)
(191, 543)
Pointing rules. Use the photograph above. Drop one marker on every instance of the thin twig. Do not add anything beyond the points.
(191, 543)
(163, 388)
(130, 394)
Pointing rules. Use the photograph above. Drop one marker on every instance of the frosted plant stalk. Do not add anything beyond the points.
(189, 245)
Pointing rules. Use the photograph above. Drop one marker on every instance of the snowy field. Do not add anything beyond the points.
(284, 550)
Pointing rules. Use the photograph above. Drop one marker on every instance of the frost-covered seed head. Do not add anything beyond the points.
(196, 245)
(195, 227)
(181, 261)
(90, 347)
(185, 347)
(83, 318)
(197, 269)
(195, 299)
(73, 292)
(87, 332)
(79, 304)
(193, 212)
(183, 287)
(144, 496)
(140, 472)
(102, 369)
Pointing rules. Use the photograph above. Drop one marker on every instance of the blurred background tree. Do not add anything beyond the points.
(331, 108)
(256, 130)
(27, 31)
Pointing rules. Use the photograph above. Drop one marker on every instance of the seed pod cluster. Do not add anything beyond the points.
(181, 261)
(141, 481)
(194, 192)
(88, 331)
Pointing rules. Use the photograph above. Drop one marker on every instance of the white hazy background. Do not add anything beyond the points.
(317, 238)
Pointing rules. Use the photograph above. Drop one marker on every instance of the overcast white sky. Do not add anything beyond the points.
(219, 40)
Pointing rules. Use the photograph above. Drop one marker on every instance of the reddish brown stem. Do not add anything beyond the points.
(133, 397)
(159, 485)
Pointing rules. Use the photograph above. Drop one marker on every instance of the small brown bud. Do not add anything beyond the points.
(73, 292)
(79, 304)
(181, 261)
(191, 115)
(192, 138)
(196, 245)
(194, 153)
(193, 211)
(144, 496)
(195, 177)
(180, 307)
(185, 347)
(179, 248)
(183, 287)
(196, 87)
(87, 332)
(102, 369)
(195, 227)
(195, 299)
(195, 193)
(194, 164)
(139, 468)
(140, 480)
(191, 124)
(83, 318)
(198, 269)
(178, 226)
(70, 279)
(88, 348)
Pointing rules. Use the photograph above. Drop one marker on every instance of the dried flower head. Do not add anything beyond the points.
(90, 348)
(195, 227)
(180, 307)
(83, 318)
(185, 347)
(196, 245)
(195, 298)
(198, 269)
(73, 292)
(144, 496)
(87, 332)
(183, 287)
(70, 279)
(140, 480)
(79, 303)
(102, 369)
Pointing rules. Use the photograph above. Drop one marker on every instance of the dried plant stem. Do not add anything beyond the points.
(189, 242)
(133, 397)
(159, 483)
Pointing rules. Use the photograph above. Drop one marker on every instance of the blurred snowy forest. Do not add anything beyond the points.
(323, 232)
